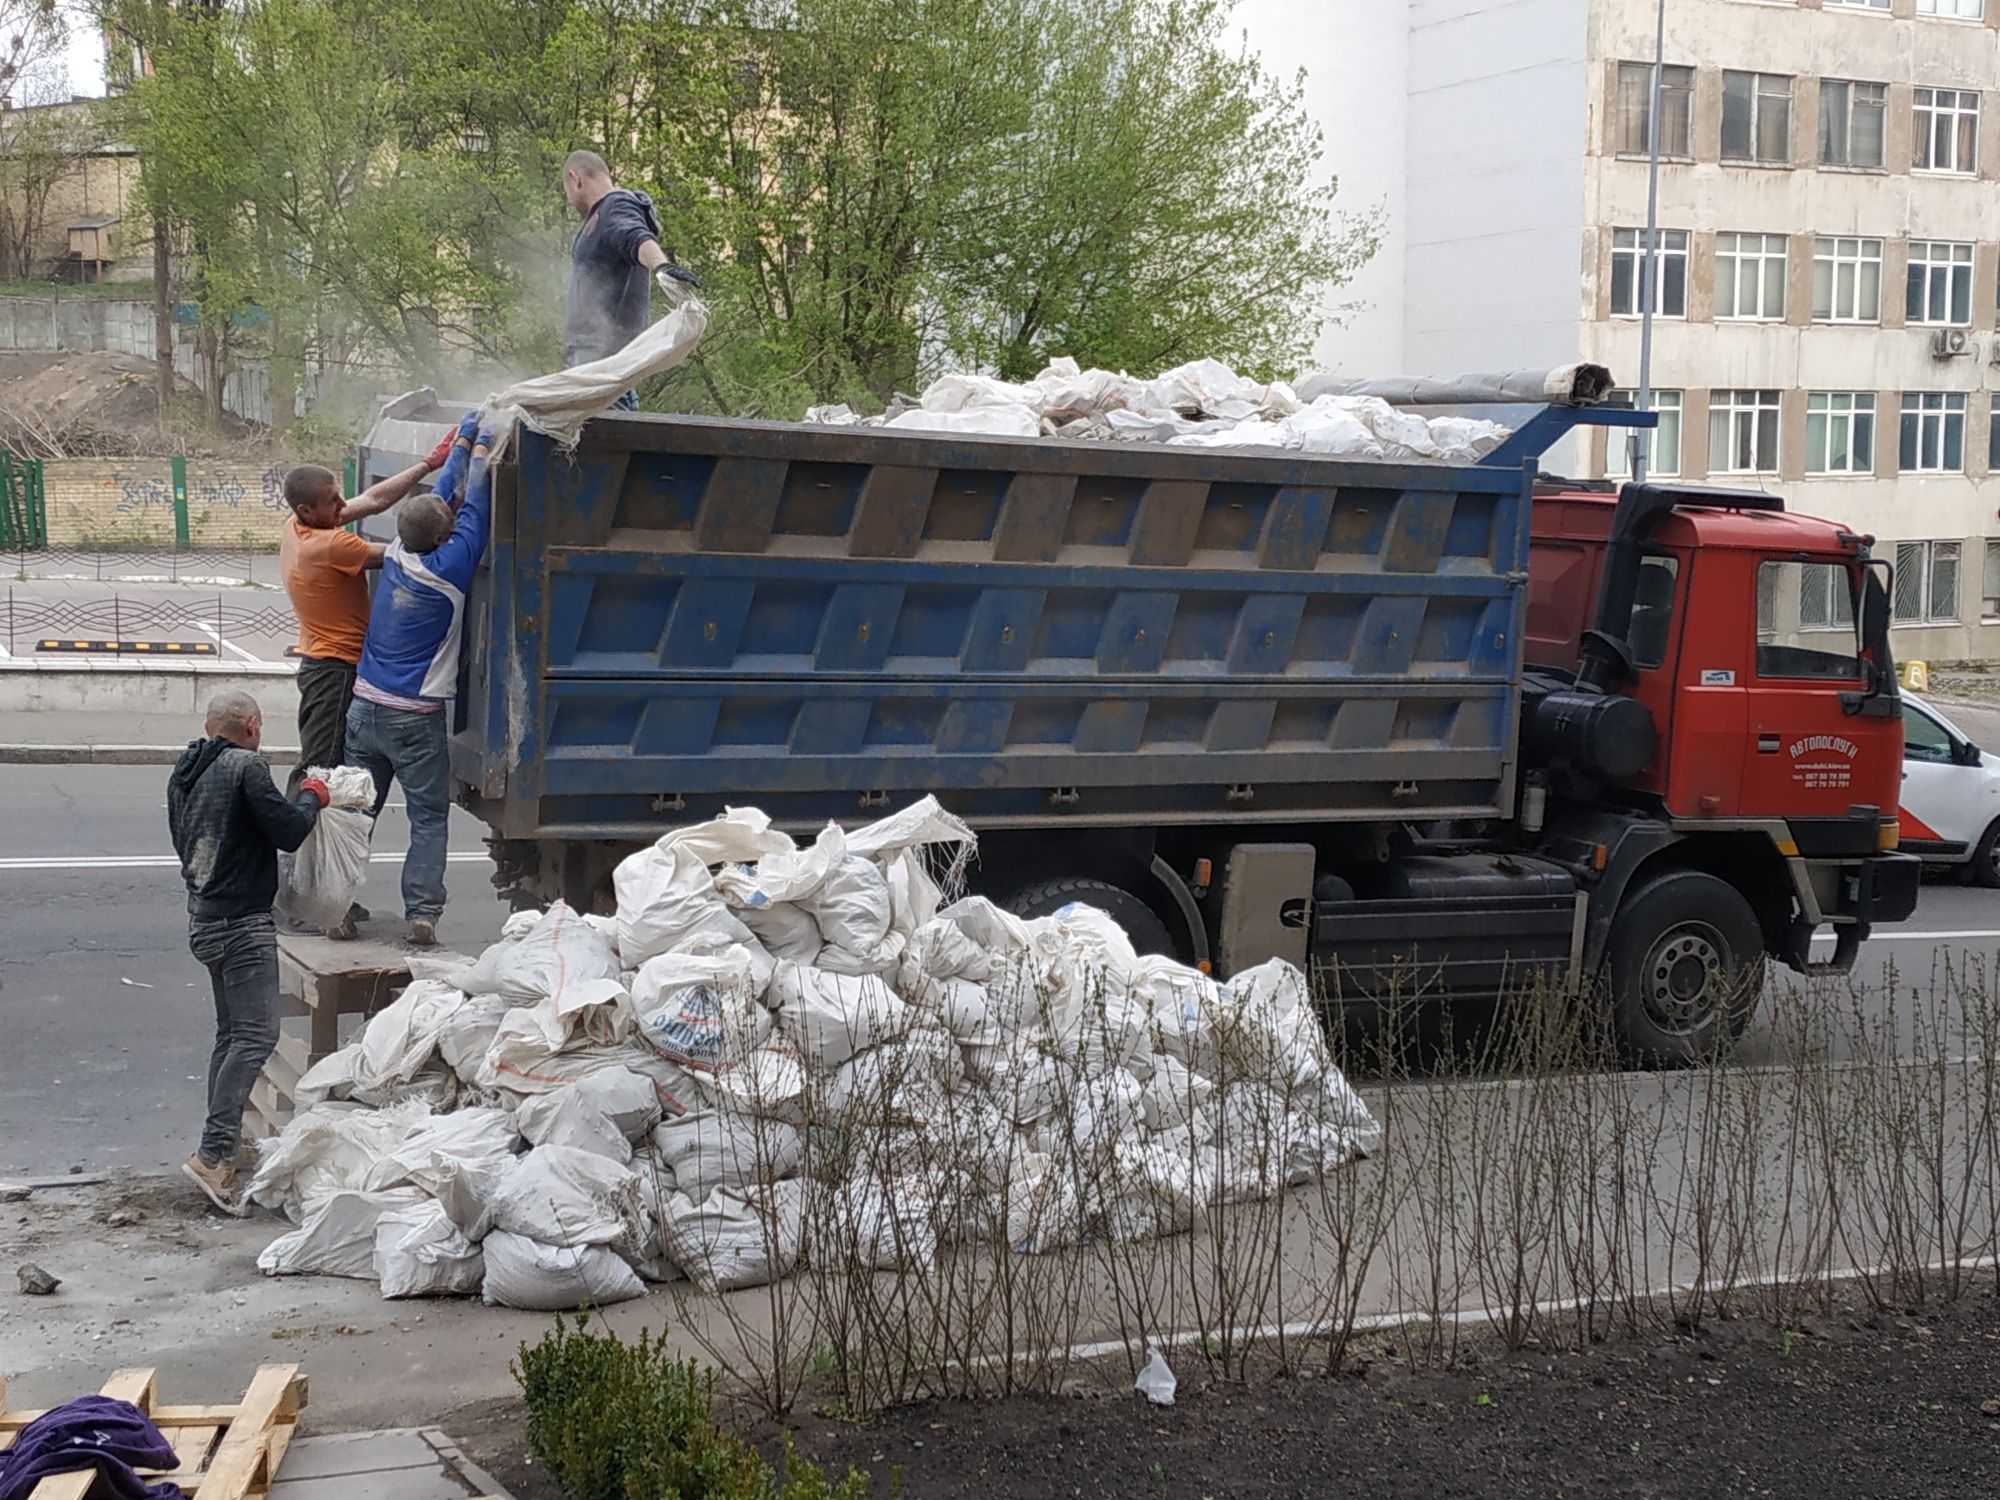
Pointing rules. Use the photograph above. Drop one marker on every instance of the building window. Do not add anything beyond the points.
(1635, 110)
(1808, 592)
(1940, 284)
(1826, 597)
(1743, 432)
(1959, 10)
(1628, 259)
(1840, 432)
(1847, 280)
(1926, 583)
(1750, 276)
(1947, 135)
(1856, 4)
(1989, 604)
(1757, 117)
(1933, 436)
(1852, 123)
(1664, 458)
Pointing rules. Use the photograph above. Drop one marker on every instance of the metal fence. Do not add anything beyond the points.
(24, 511)
(138, 626)
(156, 565)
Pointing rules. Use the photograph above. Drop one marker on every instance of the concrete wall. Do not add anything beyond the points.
(73, 323)
(1354, 54)
(130, 502)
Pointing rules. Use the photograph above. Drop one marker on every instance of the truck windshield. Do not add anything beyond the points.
(1805, 621)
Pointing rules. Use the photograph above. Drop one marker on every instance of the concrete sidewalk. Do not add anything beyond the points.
(400, 1463)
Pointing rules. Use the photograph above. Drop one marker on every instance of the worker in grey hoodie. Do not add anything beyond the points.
(228, 821)
(616, 254)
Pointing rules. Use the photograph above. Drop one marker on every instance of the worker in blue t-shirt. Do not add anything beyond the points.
(619, 244)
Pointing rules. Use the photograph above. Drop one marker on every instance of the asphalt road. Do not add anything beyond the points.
(107, 1018)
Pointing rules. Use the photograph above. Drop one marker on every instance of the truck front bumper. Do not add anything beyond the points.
(1880, 888)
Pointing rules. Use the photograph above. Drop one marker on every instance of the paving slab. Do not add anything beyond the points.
(405, 1463)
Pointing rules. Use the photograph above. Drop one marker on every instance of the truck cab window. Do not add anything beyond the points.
(1805, 621)
(1653, 611)
(1923, 737)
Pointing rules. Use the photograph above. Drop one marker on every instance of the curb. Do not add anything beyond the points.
(118, 755)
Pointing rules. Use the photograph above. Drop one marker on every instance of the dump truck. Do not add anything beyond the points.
(1430, 728)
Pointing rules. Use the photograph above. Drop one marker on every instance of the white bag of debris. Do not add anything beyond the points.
(394, 1047)
(701, 1010)
(419, 1252)
(563, 1196)
(905, 1081)
(873, 1225)
(431, 1146)
(603, 1112)
(337, 1237)
(326, 873)
(328, 1148)
(594, 1013)
(667, 903)
(561, 956)
(468, 1031)
(558, 404)
(738, 1237)
(712, 1148)
(536, 1277)
(830, 1017)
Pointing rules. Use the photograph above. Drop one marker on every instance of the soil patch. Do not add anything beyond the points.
(105, 405)
(1860, 1407)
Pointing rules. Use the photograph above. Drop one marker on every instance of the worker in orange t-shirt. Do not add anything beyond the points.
(324, 567)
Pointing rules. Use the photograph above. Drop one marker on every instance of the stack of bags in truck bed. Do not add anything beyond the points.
(773, 1052)
(1204, 404)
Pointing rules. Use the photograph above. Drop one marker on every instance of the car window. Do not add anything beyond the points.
(1923, 737)
(1653, 611)
(1805, 621)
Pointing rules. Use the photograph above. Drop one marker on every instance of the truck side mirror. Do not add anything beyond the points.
(1880, 700)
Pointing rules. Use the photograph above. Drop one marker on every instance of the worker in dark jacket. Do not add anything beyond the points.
(228, 822)
(616, 252)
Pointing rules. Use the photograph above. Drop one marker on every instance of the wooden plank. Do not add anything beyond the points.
(250, 1451)
(192, 1446)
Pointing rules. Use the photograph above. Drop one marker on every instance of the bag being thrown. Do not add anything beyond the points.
(322, 879)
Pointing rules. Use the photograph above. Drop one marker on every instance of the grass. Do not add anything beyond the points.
(96, 291)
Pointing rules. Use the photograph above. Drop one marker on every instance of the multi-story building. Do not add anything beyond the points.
(1829, 212)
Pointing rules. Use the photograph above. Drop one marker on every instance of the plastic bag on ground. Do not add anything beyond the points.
(419, 1252)
(337, 1237)
(328, 869)
(562, 1196)
(603, 1112)
(1156, 1382)
(710, 1149)
(739, 1237)
(537, 1277)
(830, 1017)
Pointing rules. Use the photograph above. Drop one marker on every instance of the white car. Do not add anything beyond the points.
(1951, 796)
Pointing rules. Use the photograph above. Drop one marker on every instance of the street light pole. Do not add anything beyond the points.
(1649, 275)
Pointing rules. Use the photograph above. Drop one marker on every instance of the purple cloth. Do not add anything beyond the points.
(91, 1432)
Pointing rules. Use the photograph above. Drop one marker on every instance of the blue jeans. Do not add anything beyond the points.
(627, 402)
(396, 744)
(241, 956)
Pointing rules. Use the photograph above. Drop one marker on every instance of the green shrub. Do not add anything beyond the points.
(608, 1420)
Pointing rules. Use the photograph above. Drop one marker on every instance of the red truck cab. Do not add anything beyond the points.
(1757, 643)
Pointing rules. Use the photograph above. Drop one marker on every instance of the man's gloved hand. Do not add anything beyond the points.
(677, 282)
(441, 452)
(318, 788)
(469, 426)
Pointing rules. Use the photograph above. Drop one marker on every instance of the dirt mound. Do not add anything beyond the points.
(105, 405)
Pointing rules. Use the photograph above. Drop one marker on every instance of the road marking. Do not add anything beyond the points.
(215, 635)
(171, 862)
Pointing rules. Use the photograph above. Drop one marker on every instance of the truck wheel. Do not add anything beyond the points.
(1984, 867)
(1687, 966)
(1141, 923)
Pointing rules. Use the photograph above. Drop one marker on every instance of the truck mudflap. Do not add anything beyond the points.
(1880, 888)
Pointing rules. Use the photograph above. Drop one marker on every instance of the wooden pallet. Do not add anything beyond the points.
(224, 1452)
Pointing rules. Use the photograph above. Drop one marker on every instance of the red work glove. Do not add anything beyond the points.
(441, 452)
(318, 788)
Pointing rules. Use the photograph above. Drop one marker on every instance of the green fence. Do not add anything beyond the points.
(24, 507)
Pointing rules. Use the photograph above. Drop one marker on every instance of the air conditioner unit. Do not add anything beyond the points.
(1950, 343)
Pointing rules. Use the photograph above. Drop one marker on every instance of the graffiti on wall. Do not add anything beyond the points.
(144, 492)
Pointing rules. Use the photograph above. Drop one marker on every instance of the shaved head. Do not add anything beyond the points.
(422, 522)
(234, 715)
(585, 179)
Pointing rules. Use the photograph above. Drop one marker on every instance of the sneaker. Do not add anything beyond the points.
(218, 1182)
(357, 913)
(423, 932)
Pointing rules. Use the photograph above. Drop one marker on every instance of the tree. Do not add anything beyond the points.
(40, 149)
(33, 34)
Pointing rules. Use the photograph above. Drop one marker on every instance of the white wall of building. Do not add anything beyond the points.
(1354, 55)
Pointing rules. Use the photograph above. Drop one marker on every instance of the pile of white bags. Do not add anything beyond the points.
(775, 1054)
(1204, 404)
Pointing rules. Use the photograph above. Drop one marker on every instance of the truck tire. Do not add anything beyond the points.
(1686, 967)
(1142, 924)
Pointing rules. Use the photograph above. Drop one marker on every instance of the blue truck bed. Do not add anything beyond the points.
(685, 614)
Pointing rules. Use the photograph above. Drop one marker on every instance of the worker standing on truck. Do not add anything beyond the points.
(228, 823)
(619, 244)
(396, 726)
(323, 566)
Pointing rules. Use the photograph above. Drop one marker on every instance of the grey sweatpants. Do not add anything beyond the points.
(241, 955)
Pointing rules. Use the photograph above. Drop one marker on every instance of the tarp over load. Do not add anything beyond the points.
(773, 1052)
